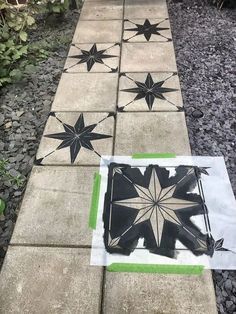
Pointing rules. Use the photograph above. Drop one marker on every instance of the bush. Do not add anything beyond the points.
(15, 22)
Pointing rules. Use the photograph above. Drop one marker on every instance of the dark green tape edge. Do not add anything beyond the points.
(153, 155)
(94, 201)
(154, 268)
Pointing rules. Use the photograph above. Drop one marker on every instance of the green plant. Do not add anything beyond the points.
(57, 6)
(14, 24)
(17, 55)
(50, 6)
(7, 176)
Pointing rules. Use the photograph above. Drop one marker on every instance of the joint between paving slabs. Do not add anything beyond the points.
(103, 283)
(118, 82)
(66, 246)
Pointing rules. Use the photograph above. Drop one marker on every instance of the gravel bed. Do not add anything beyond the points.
(24, 109)
(204, 40)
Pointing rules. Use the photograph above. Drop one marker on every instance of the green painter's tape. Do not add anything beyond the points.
(153, 268)
(153, 155)
(94, 202)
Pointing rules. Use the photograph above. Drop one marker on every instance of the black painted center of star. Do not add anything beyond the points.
(147, 29)
(149, 90)
(92, 56)
(77, 136)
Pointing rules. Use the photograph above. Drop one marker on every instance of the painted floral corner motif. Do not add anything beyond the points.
(147, 30)
(93, 58)
(157, 207)
(74, 138)
(149, 92)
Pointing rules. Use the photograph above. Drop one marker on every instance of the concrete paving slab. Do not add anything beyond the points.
(98, 31)
(86, 92)
(163, 132)
(136, 9)
(93, 58)
(49, 280)
(143, 30)
(157, 92)
(76, 138)
(137, 293)
(102, 10)
(148, 57)
(55, 208)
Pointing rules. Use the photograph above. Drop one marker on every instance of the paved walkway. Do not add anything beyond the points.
(119, 94)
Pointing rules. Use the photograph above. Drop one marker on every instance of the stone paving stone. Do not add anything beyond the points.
(93, 58)
(160, 92)
(142, 30)
(136, 9)
(55, 208)
(49, 280)
(148, 57)
(98, 32)
(102, 10)
(76, 138)
(137, 293)
(86, 92)
(163, 132)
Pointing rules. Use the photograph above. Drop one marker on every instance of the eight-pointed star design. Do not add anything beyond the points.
(147, 29)
(157, 205)
(149, 90)
(77, 136)
(92, 56)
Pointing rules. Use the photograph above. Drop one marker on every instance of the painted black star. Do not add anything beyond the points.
(149, 90)
(92, 56)
(77, 136)
(147, 29)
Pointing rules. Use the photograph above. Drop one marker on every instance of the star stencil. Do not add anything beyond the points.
(147, 30)
(149, 91)
(76, 137)
(159, 210)
(92, 56)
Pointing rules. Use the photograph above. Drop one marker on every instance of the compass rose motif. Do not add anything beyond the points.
(149, 91)
(91, 57)
(75, 137)
(157, 207)
(147, 30)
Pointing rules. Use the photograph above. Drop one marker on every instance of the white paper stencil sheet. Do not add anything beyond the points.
(144, 209)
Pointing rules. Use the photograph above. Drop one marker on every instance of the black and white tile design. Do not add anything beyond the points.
(93, 58)
(149, 92)
(147, 30)
(158, 207)
(71, 138)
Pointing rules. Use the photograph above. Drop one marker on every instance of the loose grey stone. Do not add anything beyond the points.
(23, 116)
(197, 113)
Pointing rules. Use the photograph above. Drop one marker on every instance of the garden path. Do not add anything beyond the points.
(121, 89)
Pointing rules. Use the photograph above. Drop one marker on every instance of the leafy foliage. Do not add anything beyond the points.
(8, 179)
(14, 24)
(5, 175)
(54, 6)
(17, 55)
